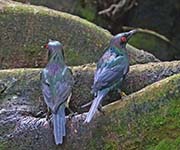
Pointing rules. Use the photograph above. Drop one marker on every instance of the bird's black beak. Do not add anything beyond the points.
(130, 34)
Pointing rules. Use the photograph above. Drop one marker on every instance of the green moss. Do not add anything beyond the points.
(146, 121)
(167, 144)
(88, 13)
(111, 145)
(26, 28)
(84, 9)
(3, 146)
(21, 83)
(25, 84)
(154, 45)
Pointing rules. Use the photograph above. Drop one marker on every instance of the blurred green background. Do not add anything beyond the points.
(161, 16)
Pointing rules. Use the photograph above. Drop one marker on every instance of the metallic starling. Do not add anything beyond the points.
(111, 70)
(57, 82)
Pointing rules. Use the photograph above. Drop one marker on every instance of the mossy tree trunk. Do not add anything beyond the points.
(132, 123)
(139, 121)
(21, 87)
(25, 28)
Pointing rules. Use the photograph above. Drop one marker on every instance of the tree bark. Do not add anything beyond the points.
(21, 90)
(26, 132)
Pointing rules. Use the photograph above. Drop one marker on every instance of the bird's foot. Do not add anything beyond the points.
(86, 105)
(72, 114)
(48, 115)
(101, 110)
(122, 94)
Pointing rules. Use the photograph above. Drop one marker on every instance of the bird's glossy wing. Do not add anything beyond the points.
(63, 87)
(68, 76)
(105, 58)
(110, 72)
(63, 91)
(58, 90)
(46, 91)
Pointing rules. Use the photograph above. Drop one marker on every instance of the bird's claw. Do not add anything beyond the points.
(71, 115)
(40, 114)
(48, 115)
(86, 105)
(123, 94)
(101, 110)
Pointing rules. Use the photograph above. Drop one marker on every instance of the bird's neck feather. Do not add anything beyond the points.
(119, 49)
(56, 57)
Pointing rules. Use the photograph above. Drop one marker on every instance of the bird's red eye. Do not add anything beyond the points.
(46, 46)
(123, 39)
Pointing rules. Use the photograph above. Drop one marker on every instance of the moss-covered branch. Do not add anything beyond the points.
(132, 123)
(21, 87)
(25, 28)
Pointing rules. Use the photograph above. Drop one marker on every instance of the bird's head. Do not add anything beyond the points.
(54, 47)
(120, 40)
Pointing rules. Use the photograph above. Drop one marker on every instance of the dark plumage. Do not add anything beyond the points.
(57, 82)
(111, 70)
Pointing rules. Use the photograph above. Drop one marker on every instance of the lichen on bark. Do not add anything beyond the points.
(25, 28)
(24, 90)
(132, 123)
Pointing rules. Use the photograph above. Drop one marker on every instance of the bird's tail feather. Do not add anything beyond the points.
(94, 106)
(59, 122)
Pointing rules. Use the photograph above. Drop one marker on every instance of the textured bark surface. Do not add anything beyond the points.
(25, 28)
(126, 124)
(20, 88)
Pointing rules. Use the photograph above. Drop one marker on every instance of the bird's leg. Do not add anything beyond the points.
(71, 112)
(48, 114)
(86, 105)
(100, 109)
(122, 94)
(40, 114)
(89, 103)
(69, 109)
